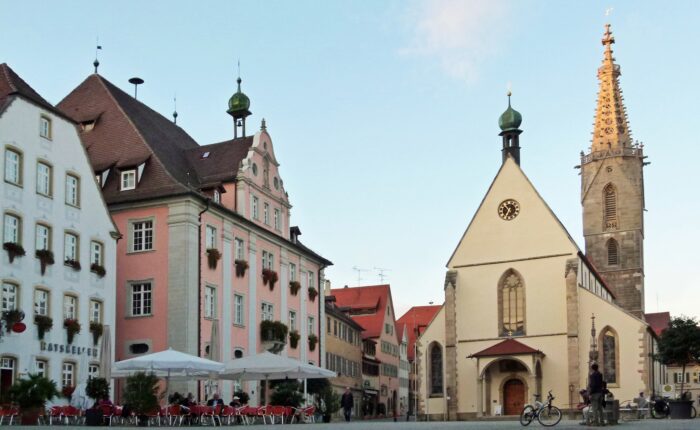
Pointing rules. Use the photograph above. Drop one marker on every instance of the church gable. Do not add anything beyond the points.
(513, 222)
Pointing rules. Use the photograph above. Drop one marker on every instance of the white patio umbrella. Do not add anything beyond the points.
(266, 366)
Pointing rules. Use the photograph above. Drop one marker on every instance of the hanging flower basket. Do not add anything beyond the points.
(73, 264)
(213, 257)
(12, 317)
(241, 267)
(270, 277)
(312, 293)
(14, 250)
(43, 323)
(313, 340)
(294, 339)
(294, 287)
(98, 270)
(72, 328)
(45, 258)
(96, 329)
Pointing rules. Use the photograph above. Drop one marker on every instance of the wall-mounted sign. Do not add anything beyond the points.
(68, 349)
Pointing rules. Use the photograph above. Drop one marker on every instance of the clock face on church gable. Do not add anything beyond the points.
(508, 209)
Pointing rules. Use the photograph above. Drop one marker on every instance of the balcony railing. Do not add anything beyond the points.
(620, 152)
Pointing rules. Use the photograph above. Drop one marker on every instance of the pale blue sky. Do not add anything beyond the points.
(384, 113)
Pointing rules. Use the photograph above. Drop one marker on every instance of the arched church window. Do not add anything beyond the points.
(511, 298)
(610, 207)
(613, 253)
(609, 359)
(435, 369)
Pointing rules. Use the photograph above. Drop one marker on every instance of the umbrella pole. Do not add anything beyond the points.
(306, 402)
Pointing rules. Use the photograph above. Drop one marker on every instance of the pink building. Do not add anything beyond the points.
(208, 251)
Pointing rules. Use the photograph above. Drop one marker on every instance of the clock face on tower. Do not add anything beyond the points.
(508, 209)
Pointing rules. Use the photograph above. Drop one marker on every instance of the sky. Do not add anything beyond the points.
(384, 113)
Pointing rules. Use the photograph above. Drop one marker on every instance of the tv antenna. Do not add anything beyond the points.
(381, 274)
(136, 81)
(359, 274)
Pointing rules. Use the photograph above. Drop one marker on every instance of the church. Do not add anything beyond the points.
(526, 311)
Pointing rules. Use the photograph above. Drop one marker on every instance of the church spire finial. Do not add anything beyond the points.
(509, 123)
(98, 47)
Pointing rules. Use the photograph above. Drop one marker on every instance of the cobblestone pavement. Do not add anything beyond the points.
(462, 425)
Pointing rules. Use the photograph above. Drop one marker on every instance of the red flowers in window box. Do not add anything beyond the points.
(270, 277)
(72, 328)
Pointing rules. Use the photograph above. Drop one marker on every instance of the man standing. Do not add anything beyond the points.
(595, 390)
(347, 402)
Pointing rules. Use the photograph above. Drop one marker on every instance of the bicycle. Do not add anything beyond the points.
(659, 407)
(547, 414)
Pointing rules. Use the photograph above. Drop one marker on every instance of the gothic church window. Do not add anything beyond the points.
(511, 298)
(610, 207)
(436, 369)
(608, 339)
(613, 253)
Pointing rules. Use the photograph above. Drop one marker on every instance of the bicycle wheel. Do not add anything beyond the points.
(660, 410)
(527, 415)
(549, 416)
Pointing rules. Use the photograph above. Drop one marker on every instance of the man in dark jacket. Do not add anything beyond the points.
(347, 402)
(595, 390)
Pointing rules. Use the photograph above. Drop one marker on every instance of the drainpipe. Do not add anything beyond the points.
(199, 289)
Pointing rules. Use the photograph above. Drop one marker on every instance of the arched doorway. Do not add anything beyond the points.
(513, 397)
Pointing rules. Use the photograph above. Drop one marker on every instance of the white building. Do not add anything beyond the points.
(52, 209)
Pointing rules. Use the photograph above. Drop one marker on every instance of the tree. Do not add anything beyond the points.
(680, 344)
(141, 393)
(97, 388)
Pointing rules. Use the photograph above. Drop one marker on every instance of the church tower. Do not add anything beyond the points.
(612, 192)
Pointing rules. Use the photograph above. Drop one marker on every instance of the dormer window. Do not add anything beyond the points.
(205, 154)
(217, 196)
(128, 181)
(45, 127)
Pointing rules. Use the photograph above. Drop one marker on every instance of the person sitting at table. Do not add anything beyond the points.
(215, 400)
(236, 402)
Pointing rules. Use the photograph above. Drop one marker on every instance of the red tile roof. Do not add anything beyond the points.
(417, 316)
(12, 85)
(370, 298)
(506, 347)
(658, 321)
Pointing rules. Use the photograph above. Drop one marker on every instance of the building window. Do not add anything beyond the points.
(43, 179)
(266, 214)
(609, 359)
(70, 307)
(10, 294)
(141, 299)
(237, 353)
(254, 208)
(292, 320)
(12, 229)
(610, 207)
(96, 311)
(277, 220)
(8, 368)
(45, 127)
(312, 326)
(128, 180)
(93, 370)
(96, 252)
(238, 309)
(72, 190)
(142, 236)
(70, 247)
(311, 279)
(217, 196)
(41, 368)
(511, 297)
(41, 302)
(43, 237)
(292, 272)
(613, 253)
(139, 348)
(209, 302)
(268, 260)
(211, 237)
(13, 167)
(267, 313)
(68, 374)
(436, 369)
(240, 249)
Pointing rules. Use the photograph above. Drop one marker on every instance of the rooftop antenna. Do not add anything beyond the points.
(136, 81)
(381, 274)
(359, 273)
(98, 47)
(175, 111)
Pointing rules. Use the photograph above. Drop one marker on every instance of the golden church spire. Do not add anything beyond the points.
(611, 129)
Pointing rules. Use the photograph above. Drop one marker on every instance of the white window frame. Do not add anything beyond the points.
(210, 237)
(13, 166)
(209, 302)
(144, 292)
(10, 296)
(311, 325)
(142, 235)
(93, 370)
(42, 299)
(217, 196)
(292, 272)
(240, 249)
(68, 374)
(9, 363)
(238, 309)
(41, 367)
(267, 311)
(44, 176)
(71, 246)
(96, 311)
(96, 253)
(276, 219)
(70, 307)
(45, 127)
(292, 320)
(127, 180)
(42, 233)
(266, 213)
(12, 229)
(254, 210)
(72, 190)
(310, 279)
